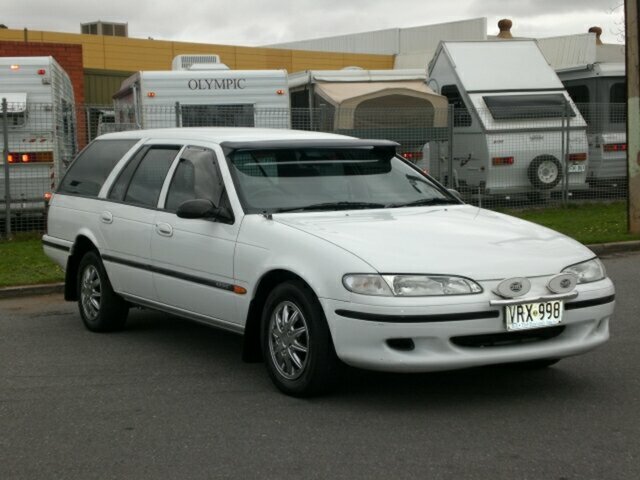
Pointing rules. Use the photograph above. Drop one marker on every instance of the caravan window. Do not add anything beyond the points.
(521, 107)
(461, 117)
(217, 116)
(618, 101)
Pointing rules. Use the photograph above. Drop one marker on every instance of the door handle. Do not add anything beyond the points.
(106, 217)
(164, 229)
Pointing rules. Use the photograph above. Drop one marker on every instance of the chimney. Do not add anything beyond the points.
(598, 32)
(505, 28)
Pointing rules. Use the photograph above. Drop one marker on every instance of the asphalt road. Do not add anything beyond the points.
(169, 399)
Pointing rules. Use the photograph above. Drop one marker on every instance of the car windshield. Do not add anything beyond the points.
(315, 179)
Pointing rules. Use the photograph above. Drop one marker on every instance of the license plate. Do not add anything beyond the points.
(533, 315)
(577, 168)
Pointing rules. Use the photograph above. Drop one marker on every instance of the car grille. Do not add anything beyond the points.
(508, 338)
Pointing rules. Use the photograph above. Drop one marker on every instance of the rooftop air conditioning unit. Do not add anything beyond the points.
(184, 62)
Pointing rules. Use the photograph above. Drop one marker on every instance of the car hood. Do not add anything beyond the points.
(461, 240)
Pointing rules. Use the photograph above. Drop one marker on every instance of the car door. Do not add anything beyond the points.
(193, 258)
(127, 220)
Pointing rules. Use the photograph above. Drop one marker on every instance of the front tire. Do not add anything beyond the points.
(101, 309)
(296, 341)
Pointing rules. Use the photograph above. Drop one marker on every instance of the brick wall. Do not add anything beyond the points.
(69, 57)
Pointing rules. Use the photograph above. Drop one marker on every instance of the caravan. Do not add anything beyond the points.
(390, 104)
(41, 129)
(200, 91)
(600, 91)
(516, 128)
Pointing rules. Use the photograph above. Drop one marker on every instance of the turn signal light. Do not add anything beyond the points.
(577, 157)
(11, 158)
(47, 197)
(280, 92)
(15, 67)
(151, 94)
(239, 290)
(24, 158)
(615, 147)
(412, 155)
(503, 160)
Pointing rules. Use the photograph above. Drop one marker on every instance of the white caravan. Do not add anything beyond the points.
(200, 92)
(41, 130)
(600, 92)
(390, 104)
(510, 120)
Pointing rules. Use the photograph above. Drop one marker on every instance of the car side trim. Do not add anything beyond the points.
(170, 273)
(57, 246)
(445, 317)
(589, 303)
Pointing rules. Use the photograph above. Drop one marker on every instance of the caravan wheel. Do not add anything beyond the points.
(545, 172)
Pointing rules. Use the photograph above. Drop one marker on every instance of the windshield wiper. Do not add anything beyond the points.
(423, 202)
(331, 206)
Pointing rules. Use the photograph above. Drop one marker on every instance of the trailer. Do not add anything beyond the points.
(600, 91)
(41, 129)
(390, 104)
(516, 129)
(200, 91)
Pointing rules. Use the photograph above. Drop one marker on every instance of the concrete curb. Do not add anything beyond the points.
(615, 247)
(31, 290)
(55, 288)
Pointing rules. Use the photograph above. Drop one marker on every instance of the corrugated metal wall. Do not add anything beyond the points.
(131, 54)
(100, 85)
(569, 50)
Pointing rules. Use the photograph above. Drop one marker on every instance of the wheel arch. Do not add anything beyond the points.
(81, 245)
(252, 350)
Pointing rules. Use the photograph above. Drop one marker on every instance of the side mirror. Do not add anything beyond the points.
(203, 208)
(198, 208)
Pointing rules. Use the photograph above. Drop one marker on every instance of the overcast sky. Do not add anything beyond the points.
(260, 22)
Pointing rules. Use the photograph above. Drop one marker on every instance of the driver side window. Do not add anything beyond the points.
(196, 177)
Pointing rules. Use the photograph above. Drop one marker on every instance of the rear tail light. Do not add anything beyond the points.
(47, 197)
(577, 157)
(42, 71)
(412, 155)
(30, 157)
(503, 160)
(615, 147)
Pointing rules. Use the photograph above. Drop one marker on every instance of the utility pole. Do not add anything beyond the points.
(632, 7)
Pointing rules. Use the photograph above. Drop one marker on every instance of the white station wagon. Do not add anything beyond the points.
(321, 250)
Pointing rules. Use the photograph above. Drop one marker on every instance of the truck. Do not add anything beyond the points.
(516, 129)
(386, 104)
(200, 91)
(41, 130)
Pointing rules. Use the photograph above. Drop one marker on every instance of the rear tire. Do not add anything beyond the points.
(296, 341)
(101, 309)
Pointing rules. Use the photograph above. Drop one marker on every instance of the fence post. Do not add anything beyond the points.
(5, 157)
(450, 124)
(177, 114)
(565, 180)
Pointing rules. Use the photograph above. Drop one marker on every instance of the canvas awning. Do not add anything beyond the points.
(349, 96)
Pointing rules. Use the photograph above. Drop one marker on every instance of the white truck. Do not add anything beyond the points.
(41, 129)
(200, 91)
(516, 129)
(390, 104)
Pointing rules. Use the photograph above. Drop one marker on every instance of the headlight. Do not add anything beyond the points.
(589, 271)
(410, 285)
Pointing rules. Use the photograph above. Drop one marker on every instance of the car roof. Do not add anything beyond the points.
(222, 134)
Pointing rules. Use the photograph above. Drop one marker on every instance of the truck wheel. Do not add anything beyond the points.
(297, 345)
(101, 309)
(545, 172)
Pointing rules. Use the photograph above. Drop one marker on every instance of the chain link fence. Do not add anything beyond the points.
(499, 156)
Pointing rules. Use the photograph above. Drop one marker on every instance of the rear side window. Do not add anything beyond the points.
(92, 167)
(148, 178)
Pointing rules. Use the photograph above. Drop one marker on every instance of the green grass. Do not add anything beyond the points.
(22, 261)
(588, 223)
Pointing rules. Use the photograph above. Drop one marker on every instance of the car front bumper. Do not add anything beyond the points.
(431, 336)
